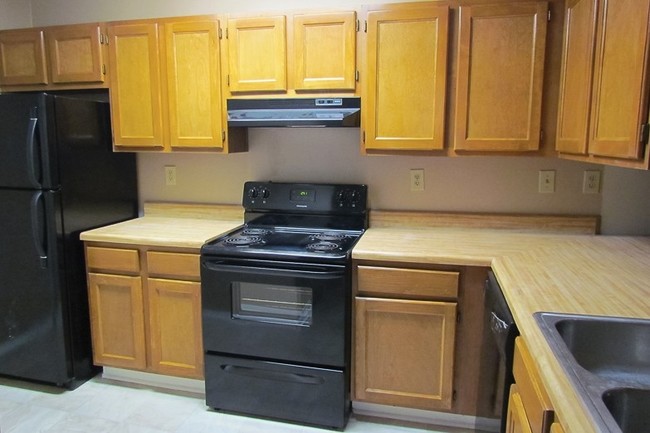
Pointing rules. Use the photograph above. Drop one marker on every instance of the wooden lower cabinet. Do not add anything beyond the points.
(175, 327)
(145, 309)
(529, 407)
(405, 333)
(405, 352)
(117, 320)
(517, 420)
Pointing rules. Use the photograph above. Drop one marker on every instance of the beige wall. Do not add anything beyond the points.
(495, 184)
(15, 14)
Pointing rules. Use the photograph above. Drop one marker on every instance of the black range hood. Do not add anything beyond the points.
(294, 113)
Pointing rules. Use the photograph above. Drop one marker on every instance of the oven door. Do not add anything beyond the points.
(291, 312)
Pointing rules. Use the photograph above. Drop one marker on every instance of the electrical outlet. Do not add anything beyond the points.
(591, 182)
(417, 179)
(170, 175)
(546, 181)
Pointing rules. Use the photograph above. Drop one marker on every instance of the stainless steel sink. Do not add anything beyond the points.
(630, 407)
(608, 360)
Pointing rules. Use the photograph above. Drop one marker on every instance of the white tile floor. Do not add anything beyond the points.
(103, 406)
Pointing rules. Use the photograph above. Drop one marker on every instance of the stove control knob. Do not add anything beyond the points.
(355, 196)
(253, 193)
(265, 193)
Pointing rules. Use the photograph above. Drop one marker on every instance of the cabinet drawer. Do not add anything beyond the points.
(173, 264)
(115, 259)
(407, 283)
(533, 395)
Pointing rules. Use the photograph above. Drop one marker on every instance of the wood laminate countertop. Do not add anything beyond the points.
(601, 275)
(164, 225)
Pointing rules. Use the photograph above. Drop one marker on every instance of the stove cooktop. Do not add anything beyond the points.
(284, 242)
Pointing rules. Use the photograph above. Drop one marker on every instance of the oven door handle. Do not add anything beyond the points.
(301, 273)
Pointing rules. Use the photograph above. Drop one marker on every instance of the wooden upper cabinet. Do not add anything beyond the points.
(500, 76)
(576, 76)
(22, 57)
(257, 54)
(76, 53)
(135, 85)
(193, 84)
(406, 75)
(620, 89)
(603, 102)
(324, 48)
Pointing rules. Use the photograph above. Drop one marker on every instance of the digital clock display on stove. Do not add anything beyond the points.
(303, 195)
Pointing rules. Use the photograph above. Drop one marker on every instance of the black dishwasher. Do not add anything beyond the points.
(502, 331)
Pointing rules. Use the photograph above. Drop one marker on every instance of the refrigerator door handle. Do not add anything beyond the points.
(31, 147)
(37, 224)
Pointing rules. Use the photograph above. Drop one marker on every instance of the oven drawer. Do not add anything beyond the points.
(407, 283)
(284, 391)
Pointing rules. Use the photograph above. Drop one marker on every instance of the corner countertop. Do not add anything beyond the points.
(583, 274)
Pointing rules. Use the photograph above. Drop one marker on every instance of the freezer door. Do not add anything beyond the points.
(27, 161)
(32, 305)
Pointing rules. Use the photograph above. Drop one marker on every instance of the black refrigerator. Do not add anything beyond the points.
(58, 177)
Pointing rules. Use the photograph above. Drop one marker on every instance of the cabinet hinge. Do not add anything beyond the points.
(645, 133)
(548, 16)
(356, 75)
(223, 135)
(365, 26)
(220, 33)
(104, 39)
(458, 318)
(541, 136)
(363, 137)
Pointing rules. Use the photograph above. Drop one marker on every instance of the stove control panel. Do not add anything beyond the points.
(305, 197)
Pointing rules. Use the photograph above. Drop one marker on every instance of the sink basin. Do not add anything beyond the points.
(608, 361)
(613, 348)
(629, 407)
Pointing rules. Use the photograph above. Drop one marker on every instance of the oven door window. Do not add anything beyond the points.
(285, 305)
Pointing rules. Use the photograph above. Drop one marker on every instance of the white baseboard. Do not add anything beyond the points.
(426, 417)
(156, 380)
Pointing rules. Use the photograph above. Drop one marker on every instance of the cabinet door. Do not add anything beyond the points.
(257, 57)
(135, 85)
(325, 51)
(620, 91)
(175, 327)
(117, 320)
(22, 57)
(76, 53)
(404, 352)
(193, 84)
(576, 76)
(406, 68)
(516, 422)
(500, 76)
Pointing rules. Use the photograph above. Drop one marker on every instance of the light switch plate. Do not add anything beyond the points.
(546, 181)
